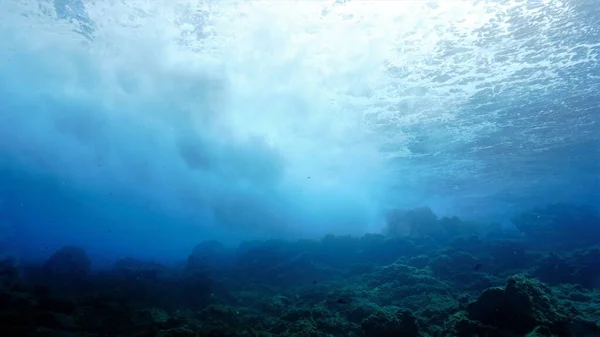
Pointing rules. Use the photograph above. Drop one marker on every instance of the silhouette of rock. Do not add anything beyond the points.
(560, 227)
(69, 261)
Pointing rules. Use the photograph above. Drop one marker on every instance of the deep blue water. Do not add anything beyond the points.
(142, 128)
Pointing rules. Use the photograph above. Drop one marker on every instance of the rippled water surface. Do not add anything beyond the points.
(302, 117)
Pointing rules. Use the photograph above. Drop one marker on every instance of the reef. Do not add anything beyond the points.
(423, 277)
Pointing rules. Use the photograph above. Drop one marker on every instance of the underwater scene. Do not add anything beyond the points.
(310, 168)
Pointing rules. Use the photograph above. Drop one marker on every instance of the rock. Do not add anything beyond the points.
(520, 306)
(176, 332)
(68, 261)
(9, 274)
(383, 324)
(581, 267)
(414, 222)
(559, 226)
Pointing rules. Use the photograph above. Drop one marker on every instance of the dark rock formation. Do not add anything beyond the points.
(383, 324)
(521, 306)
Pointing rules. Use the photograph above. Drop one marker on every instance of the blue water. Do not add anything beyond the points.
(142, 128)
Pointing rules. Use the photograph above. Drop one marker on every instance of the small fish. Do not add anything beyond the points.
(477, 266)
(315, 282)
(341, 301)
